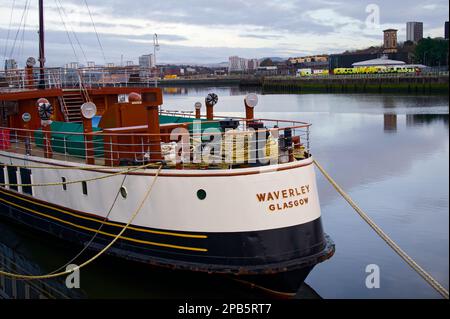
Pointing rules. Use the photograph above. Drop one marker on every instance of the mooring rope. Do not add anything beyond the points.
(81, 168)
(63, 273)
(81, 180)
(97, 232)
(425, 275)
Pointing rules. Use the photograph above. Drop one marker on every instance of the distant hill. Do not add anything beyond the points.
(274, 59)
(218, 65)
(212, 65)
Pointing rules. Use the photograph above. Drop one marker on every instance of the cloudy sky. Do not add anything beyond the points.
(207, 31)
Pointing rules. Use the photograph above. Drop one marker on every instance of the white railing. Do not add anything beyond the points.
(30, 79)
(223, 143)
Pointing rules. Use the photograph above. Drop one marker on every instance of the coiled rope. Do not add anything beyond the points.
(425, 275)
(63, 273)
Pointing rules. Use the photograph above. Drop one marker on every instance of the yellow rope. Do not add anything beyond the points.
(428, 278)
(63, 273)
(79, 181)
(76, 167)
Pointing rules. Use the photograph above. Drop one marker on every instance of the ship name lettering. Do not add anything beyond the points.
(283, 194)
(289, 204)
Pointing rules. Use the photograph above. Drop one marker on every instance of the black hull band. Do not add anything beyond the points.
(287, 283)
(241, 253)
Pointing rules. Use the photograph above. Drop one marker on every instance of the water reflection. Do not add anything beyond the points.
(426, 119)
(175, 91)
(196, 90)
(390, 123)
(413, 120)
(15, 258)
(388, 101)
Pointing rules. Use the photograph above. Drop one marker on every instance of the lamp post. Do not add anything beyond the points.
(155, 48)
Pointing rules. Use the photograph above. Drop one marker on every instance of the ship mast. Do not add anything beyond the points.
(41, 45)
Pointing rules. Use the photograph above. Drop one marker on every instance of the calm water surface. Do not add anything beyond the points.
(389, 152)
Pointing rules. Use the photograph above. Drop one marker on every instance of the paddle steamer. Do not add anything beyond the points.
(234, 196)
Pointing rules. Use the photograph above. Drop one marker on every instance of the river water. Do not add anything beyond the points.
(389, 152)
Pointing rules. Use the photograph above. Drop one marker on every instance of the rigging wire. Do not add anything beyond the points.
(22, 41)
(73, 31)
(9, 28)
(25, 8)
(67, 31)
(95, 29)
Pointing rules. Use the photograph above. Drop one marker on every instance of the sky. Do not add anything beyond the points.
(206, 31)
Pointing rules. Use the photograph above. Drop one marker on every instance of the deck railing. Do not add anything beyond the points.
(30, 79)
(223, 143)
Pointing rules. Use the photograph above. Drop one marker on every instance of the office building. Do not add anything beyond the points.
(414, 31)
(147, 61)
(446, 30)
(237, 64)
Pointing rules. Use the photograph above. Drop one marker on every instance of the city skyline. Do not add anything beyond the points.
(187, 35)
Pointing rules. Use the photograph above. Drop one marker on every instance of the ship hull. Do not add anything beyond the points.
(275, 259)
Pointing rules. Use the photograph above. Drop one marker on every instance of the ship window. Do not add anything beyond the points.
(2, 174)
(84, 185)
(12, 177)
(25, 176)
(64, 186)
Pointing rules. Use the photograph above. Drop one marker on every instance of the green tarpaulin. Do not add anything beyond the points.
(73, 144)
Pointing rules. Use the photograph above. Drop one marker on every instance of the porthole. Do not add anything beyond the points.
(123, 192)
(201, 194)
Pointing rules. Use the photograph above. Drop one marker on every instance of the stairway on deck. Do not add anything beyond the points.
(73, 99)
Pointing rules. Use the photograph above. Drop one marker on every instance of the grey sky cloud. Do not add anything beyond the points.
(208, 31)
(262, 36)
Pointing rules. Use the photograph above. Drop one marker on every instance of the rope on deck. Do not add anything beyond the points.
(425, 275)
(63, 273)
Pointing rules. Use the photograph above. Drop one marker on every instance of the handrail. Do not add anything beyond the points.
(64, 109)
(27, 79)
(103, 133)
(174, 112)
(268, 143)
(83, 89)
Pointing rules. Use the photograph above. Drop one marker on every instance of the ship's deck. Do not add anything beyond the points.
(128, 134)
(129, 146)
